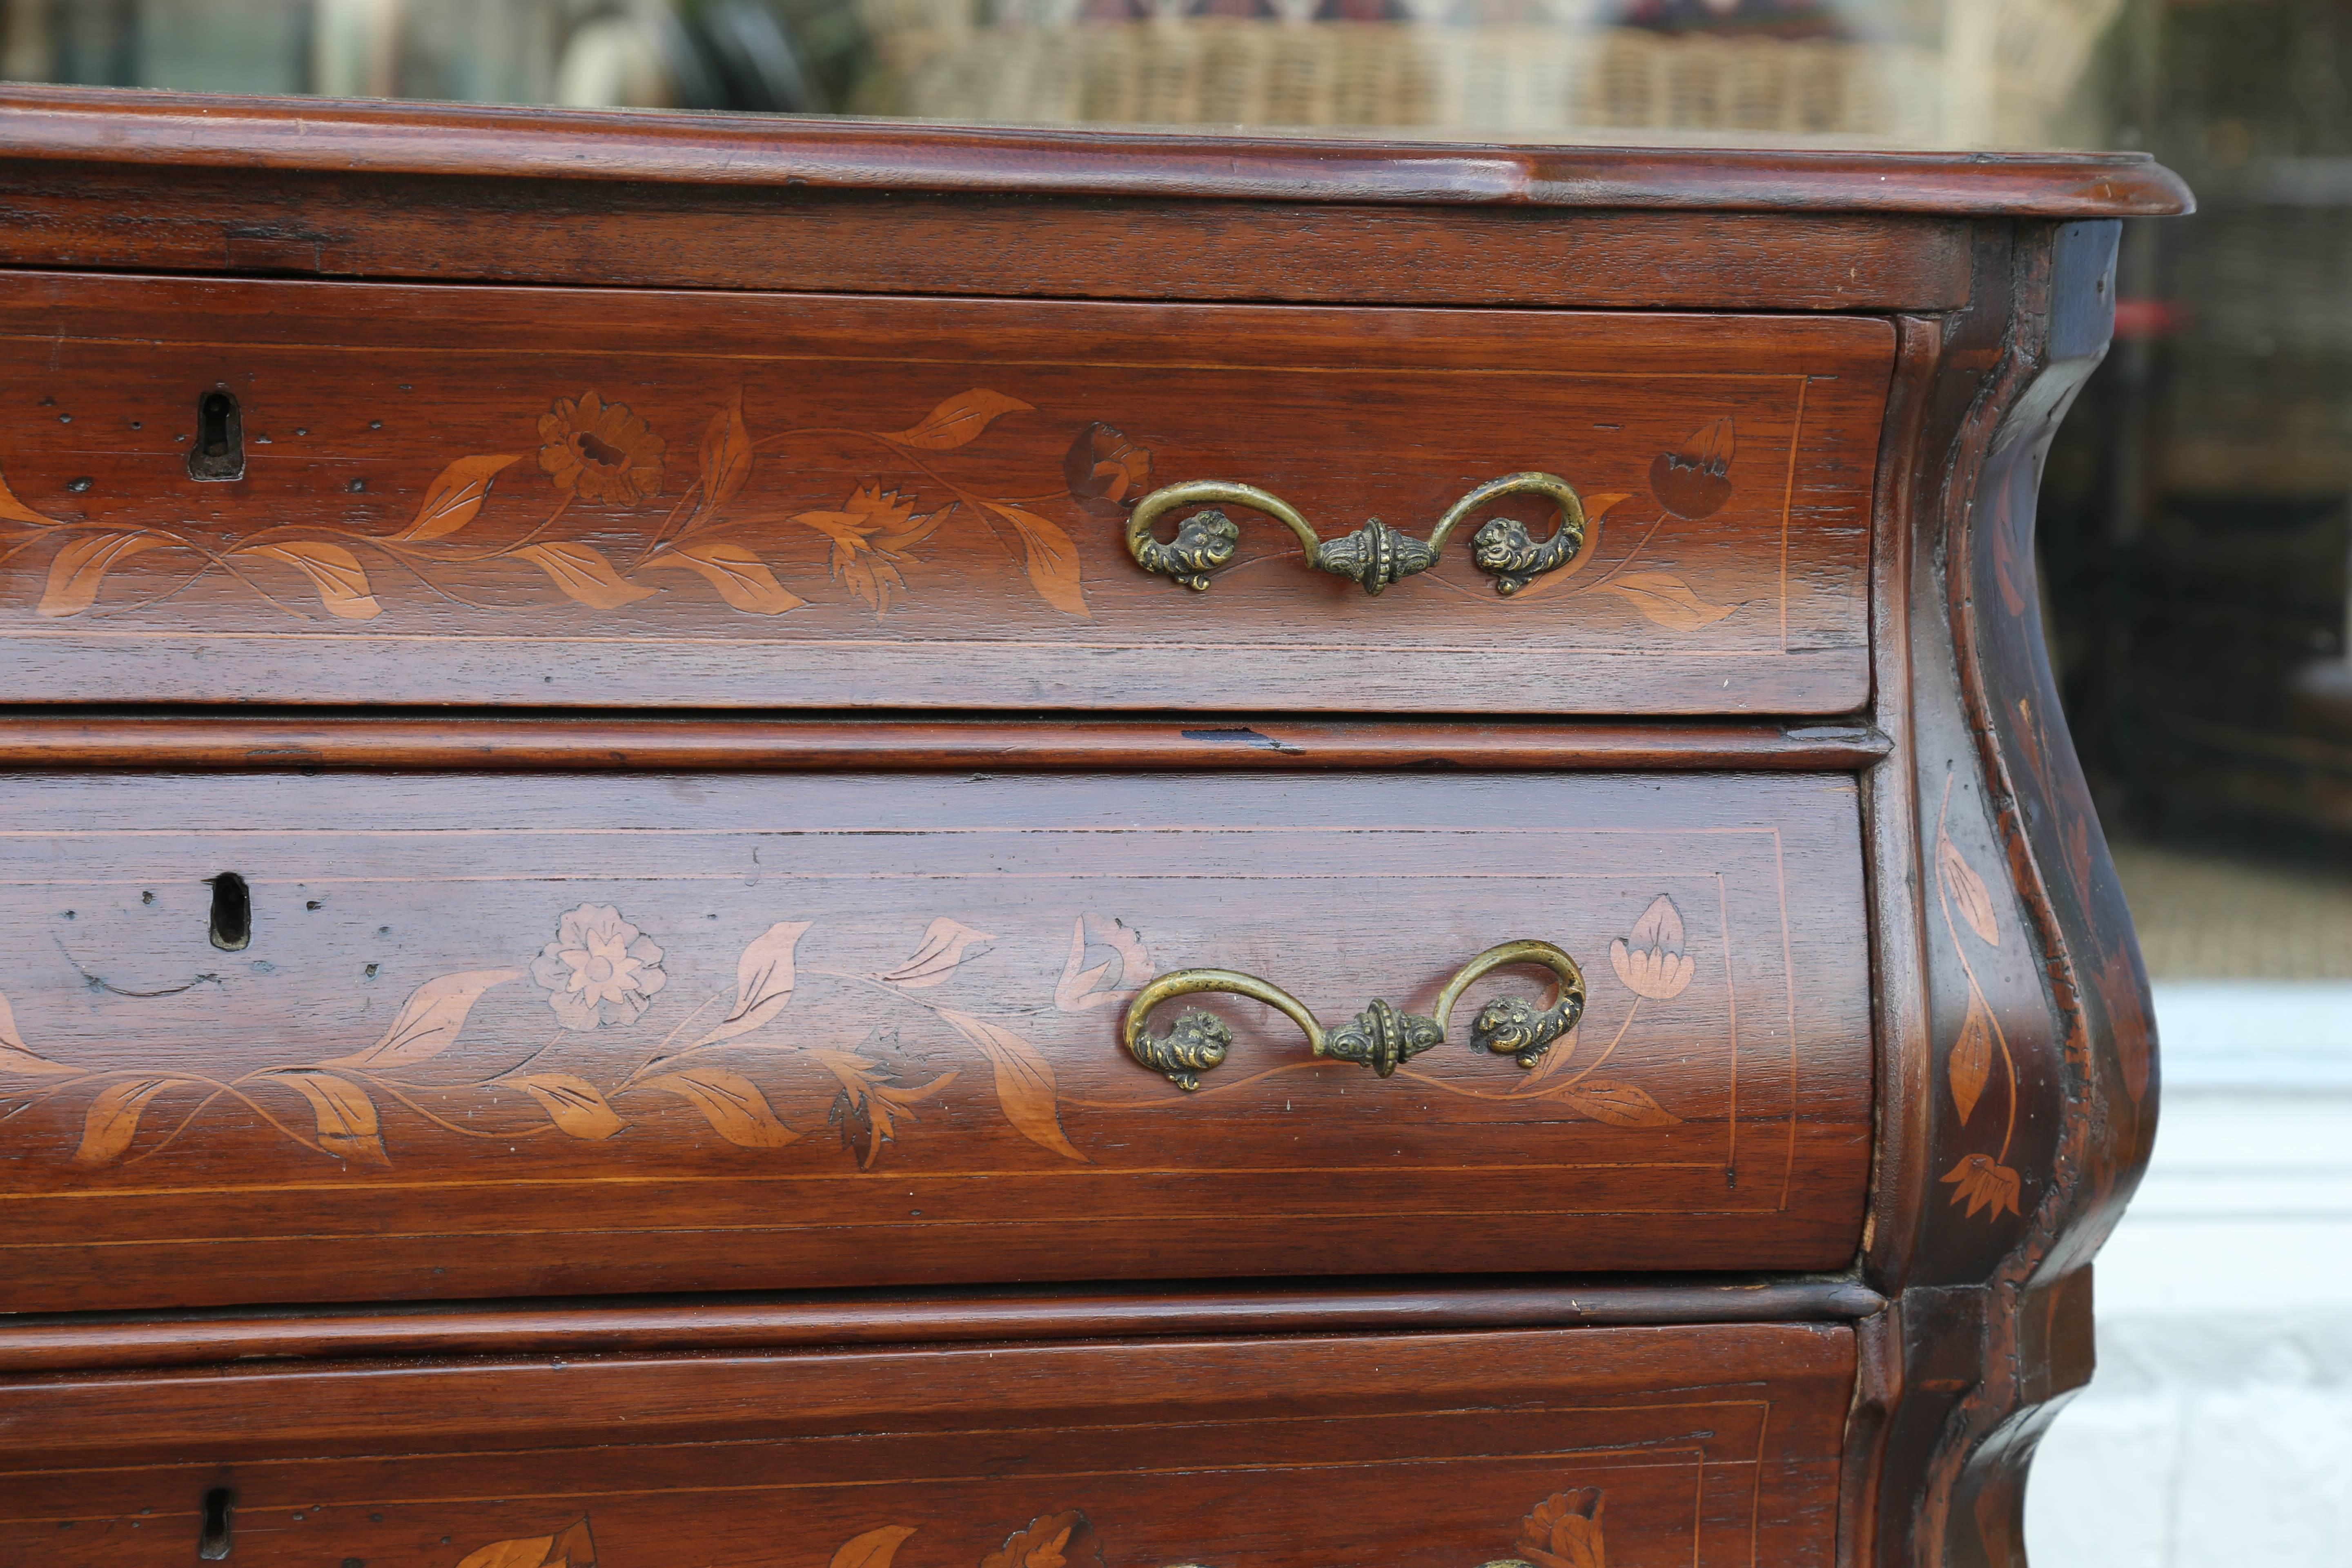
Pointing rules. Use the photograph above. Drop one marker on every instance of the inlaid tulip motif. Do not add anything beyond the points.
(1982, 1182)
(1688, 483)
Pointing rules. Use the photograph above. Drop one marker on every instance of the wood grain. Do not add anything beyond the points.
(455, 1060)
(1714, 1446)
(547, 230)
(746, 1321)
(199, 130)
(926, 506)
(604, 743)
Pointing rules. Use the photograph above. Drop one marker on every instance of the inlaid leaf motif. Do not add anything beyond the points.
(15, 1056)
(875, 1549)
(1966, 890)
(573, 1104)
(1667, 600)
(1065, 1540)
(1107, 984)
(2117, 981)
(346, 1116)
(726, 455)
(1102, 463)
(1563, 1051)
(1564, 1530)
(15, 510)
(1618, 1104)
(1051, 558)
(573, 1547)
(764, 977)
(1971, 1061)
(80, 568)
(455, 494)
(958, 420)
(112, 1119)
(869, 1104)
(731, 1102)
(1024, 1081)
(584, 573)
(943, 950)
(429, 1021)
(341, 582)
(872, 532)
(742, 579)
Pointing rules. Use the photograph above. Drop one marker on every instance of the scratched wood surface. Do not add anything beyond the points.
(579, 498)
(1637, 1447)
(525, 1035)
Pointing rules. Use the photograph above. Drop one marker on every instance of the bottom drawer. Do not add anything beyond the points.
(1564, 1449)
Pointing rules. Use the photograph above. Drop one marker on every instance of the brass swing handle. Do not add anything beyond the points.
(1378, 1037)
(1375, 554)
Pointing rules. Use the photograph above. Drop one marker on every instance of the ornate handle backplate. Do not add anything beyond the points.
(1378, 1037)
(1375, 554)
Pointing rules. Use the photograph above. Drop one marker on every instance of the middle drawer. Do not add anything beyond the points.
(270, 1038)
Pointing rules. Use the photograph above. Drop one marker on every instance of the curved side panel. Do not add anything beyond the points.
(2040, 1049)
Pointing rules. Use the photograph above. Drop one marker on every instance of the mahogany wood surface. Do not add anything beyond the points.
(182, 130)
(499, 1035)
(547, 230)
(806, 501)
(606, 742)
(1716, 1447)
(31, 1342)
(672, 1032)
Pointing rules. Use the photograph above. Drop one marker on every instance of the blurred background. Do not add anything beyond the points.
(2196, 535)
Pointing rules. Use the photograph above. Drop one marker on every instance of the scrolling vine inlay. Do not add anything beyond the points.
(599, 972)
(1564, 1530)
(602, 454)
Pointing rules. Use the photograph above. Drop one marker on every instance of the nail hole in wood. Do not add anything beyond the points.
(232, 924)
(219, 451)
(212, 1540)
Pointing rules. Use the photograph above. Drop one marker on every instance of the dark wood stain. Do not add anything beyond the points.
(669, 1104)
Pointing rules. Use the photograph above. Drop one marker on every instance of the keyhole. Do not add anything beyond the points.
(212, 1540)
(219, 451)
(232, 925)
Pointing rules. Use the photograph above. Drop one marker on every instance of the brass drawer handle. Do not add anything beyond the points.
(1378, 1037)
(1375, 554)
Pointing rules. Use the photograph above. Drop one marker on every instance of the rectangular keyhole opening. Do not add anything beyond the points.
(212, 1536)
(219, 451)
(232, 917)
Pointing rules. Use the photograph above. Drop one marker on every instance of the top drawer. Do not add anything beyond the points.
(338, 492)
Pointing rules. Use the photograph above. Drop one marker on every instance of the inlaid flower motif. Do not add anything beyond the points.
(600, 969)
(1564, 1532)
(600, 451)
(1653, 963)
(1982, 1184)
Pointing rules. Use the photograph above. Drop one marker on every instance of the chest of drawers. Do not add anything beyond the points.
(784, 845)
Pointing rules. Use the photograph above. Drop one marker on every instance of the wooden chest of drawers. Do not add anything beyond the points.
(773, 844)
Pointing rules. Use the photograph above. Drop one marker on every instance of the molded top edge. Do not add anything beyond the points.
(183, 130)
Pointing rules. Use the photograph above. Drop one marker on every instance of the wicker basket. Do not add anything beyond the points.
(2002, 72)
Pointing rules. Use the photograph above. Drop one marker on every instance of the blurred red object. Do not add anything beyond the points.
(2150, 319)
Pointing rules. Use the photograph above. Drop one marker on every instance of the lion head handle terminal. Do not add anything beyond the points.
(1381, 1036)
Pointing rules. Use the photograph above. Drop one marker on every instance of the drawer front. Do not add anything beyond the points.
(598, 498)
(506, 1035)
(1633, 1448)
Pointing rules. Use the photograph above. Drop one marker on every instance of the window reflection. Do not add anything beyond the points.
(1867, 72)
